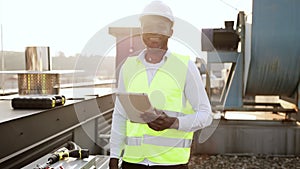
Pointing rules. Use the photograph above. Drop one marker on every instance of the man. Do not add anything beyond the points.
(175, 88)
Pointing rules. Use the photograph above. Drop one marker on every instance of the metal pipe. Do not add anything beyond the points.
(38, 58)
(37, 81)
(275, 56)
(2, 60)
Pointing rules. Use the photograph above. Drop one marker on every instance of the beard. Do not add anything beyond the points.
(155, 41)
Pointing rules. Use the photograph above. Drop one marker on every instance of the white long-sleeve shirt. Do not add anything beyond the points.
(194, 91)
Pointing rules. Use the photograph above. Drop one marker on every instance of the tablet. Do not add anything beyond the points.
(135, 104)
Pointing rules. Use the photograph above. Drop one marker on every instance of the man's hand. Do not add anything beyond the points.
(113, 163)
(160, 122)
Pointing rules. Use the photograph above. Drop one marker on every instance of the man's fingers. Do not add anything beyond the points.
(155, 126)
(158, 121)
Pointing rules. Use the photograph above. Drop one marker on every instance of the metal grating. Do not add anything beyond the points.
(32, 83)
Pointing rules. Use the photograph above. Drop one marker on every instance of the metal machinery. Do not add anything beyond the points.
(265, 60)
(32, 124)
(29, 134)
(268, 60)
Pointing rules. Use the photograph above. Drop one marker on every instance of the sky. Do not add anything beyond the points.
(67, 25)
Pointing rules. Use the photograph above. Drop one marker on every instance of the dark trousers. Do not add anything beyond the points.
(126, 165)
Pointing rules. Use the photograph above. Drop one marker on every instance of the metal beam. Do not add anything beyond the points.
(234, 94)
(251, 137)
(222, 57)
(34, 135)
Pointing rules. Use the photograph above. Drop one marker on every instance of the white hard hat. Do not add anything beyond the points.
(158, 8)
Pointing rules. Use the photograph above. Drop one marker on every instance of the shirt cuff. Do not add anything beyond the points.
(114, 153)
(193, 122)
(113, 156)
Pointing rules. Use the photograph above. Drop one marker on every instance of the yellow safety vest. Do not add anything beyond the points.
(166, 92)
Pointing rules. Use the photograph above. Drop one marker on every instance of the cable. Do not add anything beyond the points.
(231, 6)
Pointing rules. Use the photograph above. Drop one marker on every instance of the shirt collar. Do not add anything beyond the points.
(141, 56)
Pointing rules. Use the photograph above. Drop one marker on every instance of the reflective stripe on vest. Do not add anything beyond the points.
(166, 92)
(159, 141)
(133, 141)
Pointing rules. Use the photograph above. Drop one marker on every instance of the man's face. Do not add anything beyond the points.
(156, 31)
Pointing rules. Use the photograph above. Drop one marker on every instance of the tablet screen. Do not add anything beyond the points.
(135, 104)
